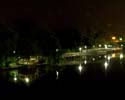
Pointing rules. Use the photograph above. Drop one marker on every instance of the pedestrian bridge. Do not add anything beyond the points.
(95, 51)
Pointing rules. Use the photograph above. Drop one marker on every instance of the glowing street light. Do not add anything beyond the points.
(105, 56)
(85, 47)
(120, 39)
(14, 51)
(113, 38)
(113, 55)
(27, 80)
(106, 46)
(15, 78)
(121, 56)
(100, 45)
(93, 46)
(121, 45)
(57, 50)
(109, 58)
(93, 59)
(57, 74)
(80, 49)
(99, 56)
(109, 46)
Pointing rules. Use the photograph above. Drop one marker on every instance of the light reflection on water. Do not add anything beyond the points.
(109, 58)
(94, 65)
(57, 74)
(106, 65)
(80, 68)
(85, 61)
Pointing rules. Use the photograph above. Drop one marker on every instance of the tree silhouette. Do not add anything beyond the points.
(69, 38)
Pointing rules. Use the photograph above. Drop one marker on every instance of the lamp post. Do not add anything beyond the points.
(80, 52)
(57, 56)
(80, 49)
(120, 39)
(113, 38)
(85, 48)
(14, 52)
(100, 45)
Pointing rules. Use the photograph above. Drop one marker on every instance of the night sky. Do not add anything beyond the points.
(108, 15)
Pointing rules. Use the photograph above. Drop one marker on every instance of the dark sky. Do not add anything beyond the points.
(108, 15)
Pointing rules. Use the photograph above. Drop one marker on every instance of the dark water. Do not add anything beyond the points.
(88, 69)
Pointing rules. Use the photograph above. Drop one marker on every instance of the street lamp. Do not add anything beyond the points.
(109, 58)
(14, 56)
(57, 74)
(57, 50)
(80, 53)
(93, 59)
(113, 55)
(85, 47)
(93, 46)
(85, 62)
(57, 56)
(121, 45)
(100, 45)
(15, 78)
(120, 39)
(113, 38)
(80, 49)
(121, 56)
(27, 80)
(105, 46)
(14, 51)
